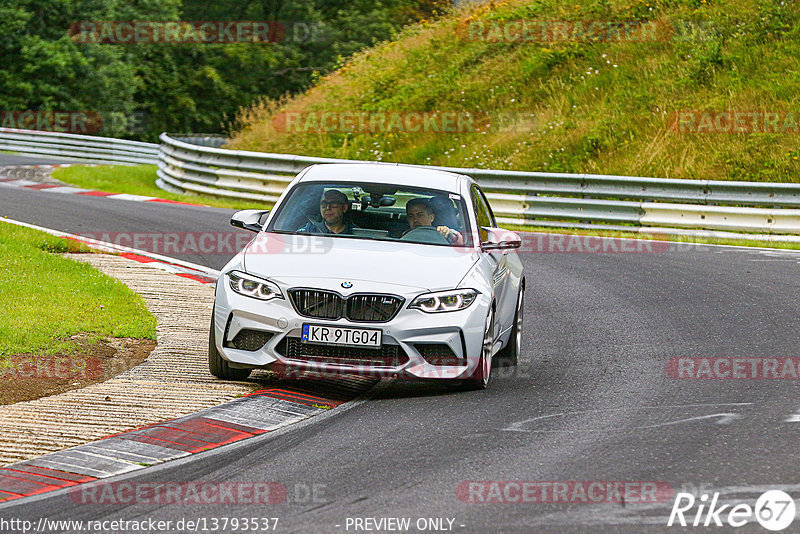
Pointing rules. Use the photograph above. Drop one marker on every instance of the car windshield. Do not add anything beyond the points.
(374, 211)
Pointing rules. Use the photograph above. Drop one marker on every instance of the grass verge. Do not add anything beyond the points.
(45, 299)
(564, 103)
(139, 180)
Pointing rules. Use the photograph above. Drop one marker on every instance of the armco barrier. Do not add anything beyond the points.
(78, 147)
(778, 221)
(516, 197)
(195, 163)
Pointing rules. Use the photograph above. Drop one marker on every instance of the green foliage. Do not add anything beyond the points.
(583, 106)
(144, 89)
(45, 299)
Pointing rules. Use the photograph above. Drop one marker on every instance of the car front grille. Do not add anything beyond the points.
(361, 307)
(372, 308)
(386, 356)
(316, 303)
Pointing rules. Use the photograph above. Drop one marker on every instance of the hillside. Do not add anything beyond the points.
(698, 89)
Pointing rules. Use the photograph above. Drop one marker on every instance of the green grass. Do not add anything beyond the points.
(655, 237)
(139, 180)
(45, 298)
(584, 107)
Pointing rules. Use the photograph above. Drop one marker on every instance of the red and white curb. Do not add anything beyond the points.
(65, 189)
(180, 268)
(258, 413)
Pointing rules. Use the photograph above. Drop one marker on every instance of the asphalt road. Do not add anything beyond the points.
(591, 400)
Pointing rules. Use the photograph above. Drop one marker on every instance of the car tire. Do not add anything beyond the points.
(509, 355)
(480, 377)
(217, 365)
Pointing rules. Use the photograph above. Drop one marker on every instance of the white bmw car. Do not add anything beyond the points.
(377, 270)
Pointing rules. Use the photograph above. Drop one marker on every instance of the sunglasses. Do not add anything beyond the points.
(324, 204)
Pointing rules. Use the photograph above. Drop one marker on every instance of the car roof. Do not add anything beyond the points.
(385, 173)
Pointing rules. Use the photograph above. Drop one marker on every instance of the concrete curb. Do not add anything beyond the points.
(172, 382)
(139, 418)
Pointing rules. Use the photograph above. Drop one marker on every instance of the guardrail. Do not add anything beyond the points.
(194, 163)
(212, 140)
(516, 197)
(79, 147)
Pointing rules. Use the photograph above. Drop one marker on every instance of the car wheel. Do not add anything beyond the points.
(480, 377)
(218, 366)
(509, 355)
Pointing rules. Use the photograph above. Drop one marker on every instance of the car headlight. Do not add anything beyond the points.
(253, 287)
(444, 301)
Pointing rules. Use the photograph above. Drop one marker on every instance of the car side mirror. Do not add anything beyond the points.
(248, 219)
(499, 239)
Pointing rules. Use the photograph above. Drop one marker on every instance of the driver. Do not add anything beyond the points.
(332, 206)
(419, 213)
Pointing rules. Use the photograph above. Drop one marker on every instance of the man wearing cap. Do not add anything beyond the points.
(332, 206)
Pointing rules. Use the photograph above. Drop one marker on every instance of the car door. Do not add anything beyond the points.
(497, 259)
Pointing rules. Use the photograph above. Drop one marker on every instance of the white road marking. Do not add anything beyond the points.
(20, 183)
(794, 418)
(67, 190)
(126, 196)
(725, 418)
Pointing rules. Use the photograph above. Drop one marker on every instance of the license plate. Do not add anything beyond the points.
(334, 335)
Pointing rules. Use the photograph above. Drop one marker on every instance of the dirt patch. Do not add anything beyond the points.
(26, 376)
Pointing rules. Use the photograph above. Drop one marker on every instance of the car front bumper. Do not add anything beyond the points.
(411, 331)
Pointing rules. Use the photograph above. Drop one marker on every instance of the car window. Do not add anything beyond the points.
(373, 211)
(483, 213)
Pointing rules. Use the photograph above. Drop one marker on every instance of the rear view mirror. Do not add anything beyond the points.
(248, 219)
(499, 239)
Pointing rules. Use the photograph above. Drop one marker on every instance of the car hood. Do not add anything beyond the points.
(304, 260)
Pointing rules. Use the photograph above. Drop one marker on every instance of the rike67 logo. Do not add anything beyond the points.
(774, 510)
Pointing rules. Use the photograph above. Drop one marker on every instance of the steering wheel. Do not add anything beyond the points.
(425, 234)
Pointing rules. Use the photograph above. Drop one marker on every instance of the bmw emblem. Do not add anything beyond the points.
(347, 285)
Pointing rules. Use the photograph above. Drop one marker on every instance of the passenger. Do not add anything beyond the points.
(333, 207)
(446, 213)
(419, 213)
